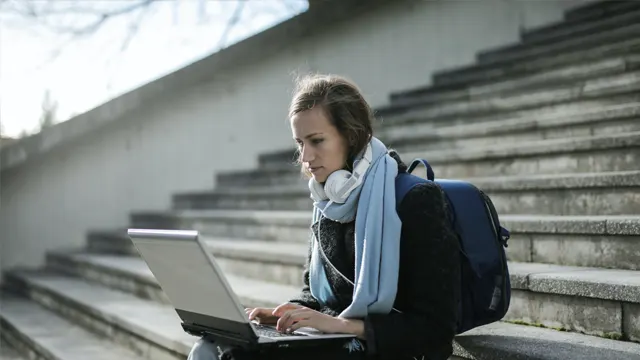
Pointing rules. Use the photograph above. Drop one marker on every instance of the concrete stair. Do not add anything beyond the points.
(7, 352)
(603, 193)
(41, 334)
(578, 119)
(574, 155)
(115, 313)
(486, 72)
(553, 85)
(598, 9)
(554, 76)
(626, 26)
(548, 127)
(590, 300)
(597, 19)
(593, 241)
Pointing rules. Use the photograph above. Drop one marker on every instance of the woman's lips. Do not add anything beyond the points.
(314, 170)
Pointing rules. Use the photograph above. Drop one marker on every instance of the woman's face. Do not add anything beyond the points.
(323, 149)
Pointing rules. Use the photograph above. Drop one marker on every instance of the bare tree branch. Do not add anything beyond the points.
(134, 27)
(49, 11)
(56, 15)
(233, 21)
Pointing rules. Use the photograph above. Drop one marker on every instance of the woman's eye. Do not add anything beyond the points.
(317, 141)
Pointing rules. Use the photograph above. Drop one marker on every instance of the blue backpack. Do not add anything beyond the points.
(485, 285)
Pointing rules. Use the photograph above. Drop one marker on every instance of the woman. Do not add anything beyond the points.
(405, 302)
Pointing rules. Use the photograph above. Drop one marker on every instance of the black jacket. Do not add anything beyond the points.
(427, 292)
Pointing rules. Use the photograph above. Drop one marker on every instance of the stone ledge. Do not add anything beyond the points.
(490, 71)
(499, 104)
(569, 25)
(576, 41)
(534, 154)
(116, 271)
(524, 280)
(588, 225)
(527, 224)
(489, 127)
(508, 341)
(596, 9)
(496, 183)
(542, 147)
(618, 285)
(460, 134)
(601, 193)
(566, 73)
(8, 352)
(491, 342)
(523, 51)
(606, 284)
(110, 313)
(39, 332)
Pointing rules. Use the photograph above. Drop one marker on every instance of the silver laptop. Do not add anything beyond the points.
(201, 295)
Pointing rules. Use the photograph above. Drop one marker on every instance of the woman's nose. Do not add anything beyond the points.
(307, 154)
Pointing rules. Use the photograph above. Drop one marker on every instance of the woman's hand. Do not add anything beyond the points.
(267, 315)
(261, 315)
(293, 319)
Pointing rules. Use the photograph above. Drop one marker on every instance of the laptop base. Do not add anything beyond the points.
(255, 344)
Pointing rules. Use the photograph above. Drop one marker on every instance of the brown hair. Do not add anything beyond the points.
(344, 105)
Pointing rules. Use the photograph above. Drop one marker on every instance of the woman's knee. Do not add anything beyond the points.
(203, 350)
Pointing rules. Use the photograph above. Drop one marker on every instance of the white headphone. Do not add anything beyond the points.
(341, 182)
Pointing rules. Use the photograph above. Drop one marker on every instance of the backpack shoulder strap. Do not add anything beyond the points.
(404, 183)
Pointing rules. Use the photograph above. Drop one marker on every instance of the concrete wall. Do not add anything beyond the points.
(180, 142)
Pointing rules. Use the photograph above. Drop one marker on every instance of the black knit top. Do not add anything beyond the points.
(427, 292)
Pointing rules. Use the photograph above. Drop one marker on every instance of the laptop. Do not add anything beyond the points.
(201, 295)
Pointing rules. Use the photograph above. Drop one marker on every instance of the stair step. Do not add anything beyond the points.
(597, 9)
(8, 352)
(591, 300)
(607, 193)
(551, 118)
(581, 26)
(606, 120)
(158, 325)
(522, 52)
(277, 226)
(148, 326)
(592, 241)
(44, 335)
(490, 72)
(602, 121)
(509, 341)
(553, 77)
(615, 152)
(624, 26)
(614, 84)
(132, 275)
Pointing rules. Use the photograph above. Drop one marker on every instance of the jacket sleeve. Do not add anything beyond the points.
(305, 298)
(427, 290)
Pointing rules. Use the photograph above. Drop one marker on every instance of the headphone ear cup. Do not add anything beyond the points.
(334, 184)
(317, 190)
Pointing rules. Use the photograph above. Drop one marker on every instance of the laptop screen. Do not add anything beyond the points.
(188, 278)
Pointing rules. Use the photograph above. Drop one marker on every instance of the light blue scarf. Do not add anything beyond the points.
(377, 239)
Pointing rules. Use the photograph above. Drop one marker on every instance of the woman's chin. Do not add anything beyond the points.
(319, 178)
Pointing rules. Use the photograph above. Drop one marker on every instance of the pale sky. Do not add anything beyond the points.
(92, 70)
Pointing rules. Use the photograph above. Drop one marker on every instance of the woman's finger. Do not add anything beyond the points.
(282, 308)
(258, 312)
(300, 324)
(292, 316)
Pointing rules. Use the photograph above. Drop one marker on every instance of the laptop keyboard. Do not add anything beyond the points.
(268, 331)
